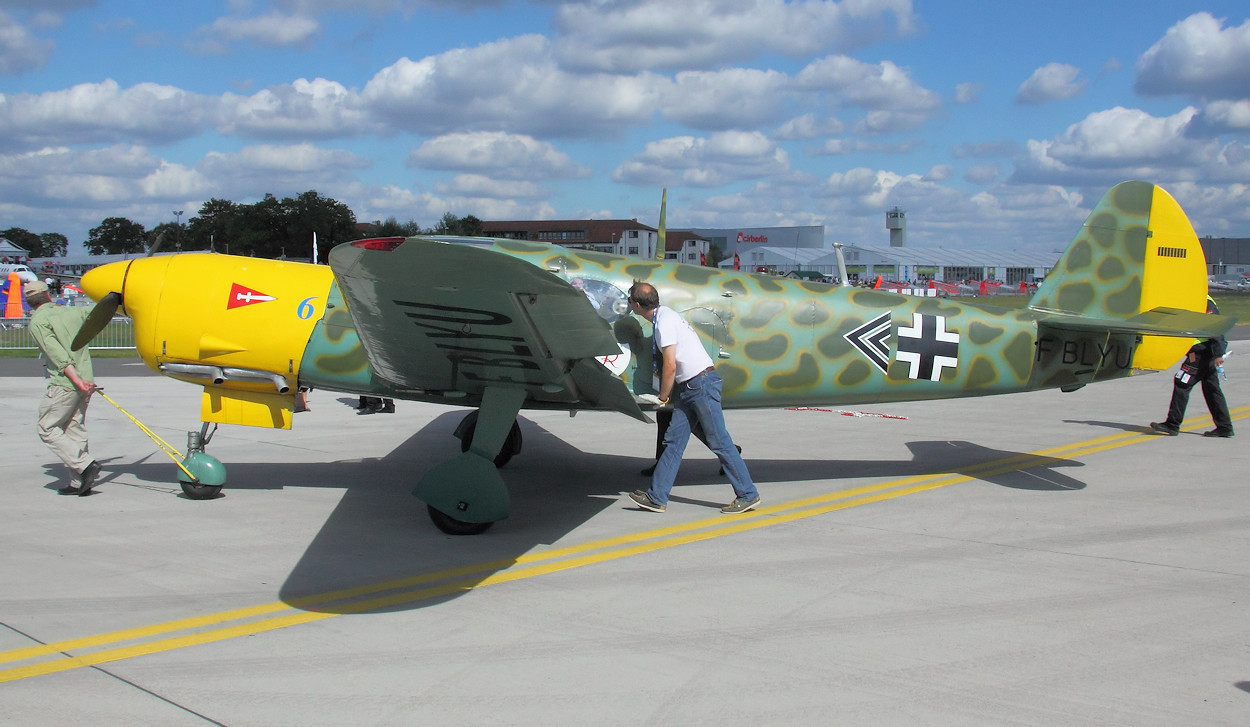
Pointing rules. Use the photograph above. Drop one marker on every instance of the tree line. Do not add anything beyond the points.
(271, 228)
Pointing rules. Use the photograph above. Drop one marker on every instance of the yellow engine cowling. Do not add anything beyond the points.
(237, 325)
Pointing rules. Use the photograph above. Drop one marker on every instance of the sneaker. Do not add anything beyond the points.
(1218, 433)
(68, 490)
(641, 499)
(740, 504)
(1163, 428)
(89, 475)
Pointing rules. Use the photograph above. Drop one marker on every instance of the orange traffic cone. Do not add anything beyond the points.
(13, 306)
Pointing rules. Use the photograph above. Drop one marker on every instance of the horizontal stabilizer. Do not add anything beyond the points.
(1173, 322)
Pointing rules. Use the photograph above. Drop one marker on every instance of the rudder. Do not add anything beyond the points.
(1136, 252)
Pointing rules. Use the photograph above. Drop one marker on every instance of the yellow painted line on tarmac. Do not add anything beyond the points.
(252, 620)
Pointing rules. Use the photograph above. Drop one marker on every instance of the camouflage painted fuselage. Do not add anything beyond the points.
(783, 342)
(779, 342)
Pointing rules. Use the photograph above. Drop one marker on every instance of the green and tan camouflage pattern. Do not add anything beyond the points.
(782, 342)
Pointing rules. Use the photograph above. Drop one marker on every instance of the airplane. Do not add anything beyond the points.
(23, 272)
(500, 325)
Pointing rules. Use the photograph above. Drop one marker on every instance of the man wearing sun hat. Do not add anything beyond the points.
(63, 411)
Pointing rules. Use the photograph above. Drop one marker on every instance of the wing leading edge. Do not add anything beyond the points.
(441, 317)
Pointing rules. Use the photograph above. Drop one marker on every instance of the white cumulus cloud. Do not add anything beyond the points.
(705, 162)
(1116, 144)
(273, 29)
(497, 154)
(627, 37)
(1051, 82)
(1200, 58)
(465, 90)
(103, 113)
(880, 86)
(303, 109)
(19, 50)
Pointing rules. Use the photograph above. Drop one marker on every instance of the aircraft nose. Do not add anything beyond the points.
(99, 282)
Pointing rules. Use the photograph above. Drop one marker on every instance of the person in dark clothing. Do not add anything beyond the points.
(374, 405)
(1202, 365)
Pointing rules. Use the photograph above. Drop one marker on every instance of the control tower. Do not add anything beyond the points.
(896, 223)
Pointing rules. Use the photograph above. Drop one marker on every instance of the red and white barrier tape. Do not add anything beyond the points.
(844, 412)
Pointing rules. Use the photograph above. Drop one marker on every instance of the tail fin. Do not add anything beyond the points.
(1135, 254)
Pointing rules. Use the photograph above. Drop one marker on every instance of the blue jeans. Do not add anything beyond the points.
(698, 400)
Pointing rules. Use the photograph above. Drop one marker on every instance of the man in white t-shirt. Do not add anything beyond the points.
(687, 377)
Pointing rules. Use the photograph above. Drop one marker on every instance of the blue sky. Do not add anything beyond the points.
(992, 124)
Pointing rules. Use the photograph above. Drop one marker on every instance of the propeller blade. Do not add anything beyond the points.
(97, 320)
(156, 244)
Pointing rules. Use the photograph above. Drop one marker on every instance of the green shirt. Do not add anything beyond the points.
(54, 327)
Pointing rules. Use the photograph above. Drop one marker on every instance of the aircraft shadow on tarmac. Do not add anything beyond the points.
(379, 534)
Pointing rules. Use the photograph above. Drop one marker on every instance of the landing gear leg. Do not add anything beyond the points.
(209, 472)
(511, 446)
(466, 491)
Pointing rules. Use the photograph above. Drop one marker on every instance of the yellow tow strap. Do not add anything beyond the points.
(155, 437)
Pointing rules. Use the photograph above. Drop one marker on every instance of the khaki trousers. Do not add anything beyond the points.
(63, 427)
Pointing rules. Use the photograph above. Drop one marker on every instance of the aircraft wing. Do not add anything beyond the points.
(455, 318)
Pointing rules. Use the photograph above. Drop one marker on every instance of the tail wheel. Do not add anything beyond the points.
(452, 526)
(200, 492)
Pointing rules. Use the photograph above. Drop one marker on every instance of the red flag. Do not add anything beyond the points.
(737, 262)
(241, 295)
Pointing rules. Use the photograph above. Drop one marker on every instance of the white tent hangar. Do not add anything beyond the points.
(11, 251)
(905, 263)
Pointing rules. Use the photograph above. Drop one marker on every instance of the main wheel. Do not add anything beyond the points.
(452, 526)
(511, 445)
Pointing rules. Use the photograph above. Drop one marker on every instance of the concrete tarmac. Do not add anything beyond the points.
(1036, 559)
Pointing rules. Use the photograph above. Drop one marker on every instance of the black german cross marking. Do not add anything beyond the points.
(928, 347)
(873, 340)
